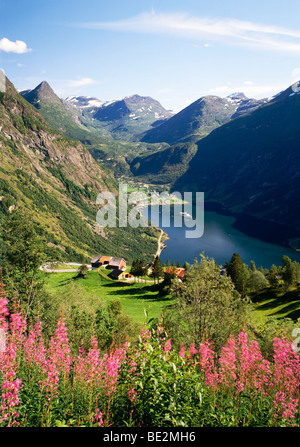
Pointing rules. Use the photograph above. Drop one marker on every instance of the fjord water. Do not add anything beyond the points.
(219, 241)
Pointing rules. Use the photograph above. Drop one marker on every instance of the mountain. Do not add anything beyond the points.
(164, 166)
(60, 114)
(83, 102)
(251, 164)
(243, 104)
(182, 131)
(58, 180)
(128, 118)
(66, 117)
(200, 118)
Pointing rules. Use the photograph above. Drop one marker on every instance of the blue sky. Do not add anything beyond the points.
(175, 51)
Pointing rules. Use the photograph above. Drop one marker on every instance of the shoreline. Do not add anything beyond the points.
(275, 233)
(161, 246)
(266, 231)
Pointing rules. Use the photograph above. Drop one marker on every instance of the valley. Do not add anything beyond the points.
(172, 155)
(149, 220)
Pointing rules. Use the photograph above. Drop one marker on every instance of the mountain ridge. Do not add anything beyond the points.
(250, 165)
(58, 181)
(201, 117)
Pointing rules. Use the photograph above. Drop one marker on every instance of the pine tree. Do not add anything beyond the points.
(238, 272)
(157, 271)
(23, 259)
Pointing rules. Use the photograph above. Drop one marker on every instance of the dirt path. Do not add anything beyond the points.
(47, 268)
(159, 245)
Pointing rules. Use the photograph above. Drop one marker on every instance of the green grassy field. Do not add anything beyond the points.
(277, 302)
(97, 287)
(136, 298)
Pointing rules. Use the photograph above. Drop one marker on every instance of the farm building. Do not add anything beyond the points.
(99, 260)
(117, 263)
(105, 260)
(95, 261)
(179, 272)
(120, 274)
(109, 261)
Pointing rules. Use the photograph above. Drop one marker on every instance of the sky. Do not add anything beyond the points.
(174, 51)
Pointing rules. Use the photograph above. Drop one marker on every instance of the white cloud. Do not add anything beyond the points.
(18, 46)
(81, 82)
(228, 31)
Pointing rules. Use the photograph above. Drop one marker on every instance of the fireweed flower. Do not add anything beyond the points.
(113, 362)
(167, 346)
(182, 352)
(34, 349)
(93, 363)
(59, 349)
(145, 334)
(98, 417)
(3, 312)
(207, 364)
(227, 360)
(10, 385)
(10, 400)
(132, 394)
(286, 367)
(58, 360)
(284, 406)
(192, 350)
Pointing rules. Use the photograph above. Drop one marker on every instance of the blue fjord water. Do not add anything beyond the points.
(221, 239)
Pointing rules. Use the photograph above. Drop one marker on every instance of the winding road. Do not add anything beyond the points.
(159, 247)
(47, 268)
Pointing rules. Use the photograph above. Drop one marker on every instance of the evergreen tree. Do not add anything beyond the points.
(252, 266)
(157, 271)
(138, 268)
(186, 266)
(273, 275)
(238, 272)
(23, 259)
(290, 271)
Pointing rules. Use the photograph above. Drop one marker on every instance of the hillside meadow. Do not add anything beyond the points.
(96, 287)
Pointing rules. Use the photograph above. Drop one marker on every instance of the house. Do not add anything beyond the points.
(105, 260)
(120, 274)
(179, 271)
(109, 262)
(99, 260)
(95, 261)
(117, 263)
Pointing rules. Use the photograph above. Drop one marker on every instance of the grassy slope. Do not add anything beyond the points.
(138, 297)
(277, 302)
(135, 298)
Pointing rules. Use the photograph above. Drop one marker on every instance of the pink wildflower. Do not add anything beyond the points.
(227, 360)
(167, 347)
(207, 364)
(98, 417)
(10, 400)
(285, 406)
(132, 394)
(182, 352)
